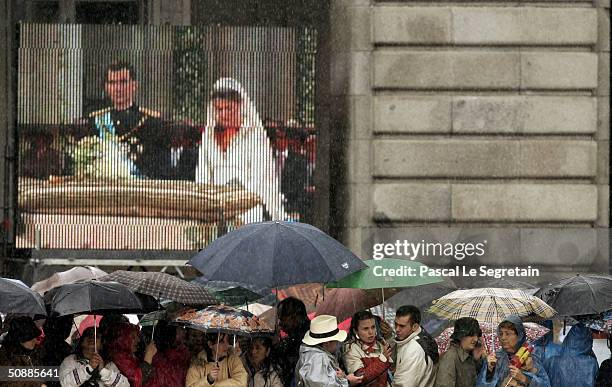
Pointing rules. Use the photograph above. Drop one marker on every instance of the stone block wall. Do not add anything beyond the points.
(467, 120)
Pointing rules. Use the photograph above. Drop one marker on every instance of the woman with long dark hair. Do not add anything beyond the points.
(256, 359)
(365, 353)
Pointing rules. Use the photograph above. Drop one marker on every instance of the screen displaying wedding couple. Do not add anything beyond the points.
(161, 138)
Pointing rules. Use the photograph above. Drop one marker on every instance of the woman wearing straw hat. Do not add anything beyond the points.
(318, 365)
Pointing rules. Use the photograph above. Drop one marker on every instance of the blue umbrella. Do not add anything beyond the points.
(273, 254)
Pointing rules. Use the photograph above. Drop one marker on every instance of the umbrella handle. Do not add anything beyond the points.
(217, 349)
(95, 336)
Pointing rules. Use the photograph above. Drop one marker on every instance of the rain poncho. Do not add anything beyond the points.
(502, 370)
(577, 364)
(248, 161)
(317, 368)
(545, 348)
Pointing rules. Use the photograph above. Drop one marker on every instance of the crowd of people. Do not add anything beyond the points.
(305, 354)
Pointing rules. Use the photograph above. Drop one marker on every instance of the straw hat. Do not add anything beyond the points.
(323, 328)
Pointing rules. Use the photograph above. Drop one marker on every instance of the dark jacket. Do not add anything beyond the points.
(604, 376)
(14, 354)
(457, 368)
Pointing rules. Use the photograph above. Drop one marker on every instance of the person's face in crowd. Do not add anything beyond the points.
(468, 343)
(221, 349)
(258, 352)
(508, 339)
(134, 337)
(89, 345)
(404, 327)
(281, 139)
(30, 344)
(366, 330)
(120, 88)
(331, 346)
(196, 340)
(227, 113)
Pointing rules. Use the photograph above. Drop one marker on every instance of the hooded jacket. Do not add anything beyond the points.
(170, 368)
(576, 365)
(498, 377)
(247, 162)
(544, 347)
(121, 354)
(414, 368)
(317, 368)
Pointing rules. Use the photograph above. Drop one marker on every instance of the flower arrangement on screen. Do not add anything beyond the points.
(102, 158)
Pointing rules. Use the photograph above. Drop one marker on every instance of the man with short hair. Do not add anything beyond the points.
(417, 351)
(137, 142)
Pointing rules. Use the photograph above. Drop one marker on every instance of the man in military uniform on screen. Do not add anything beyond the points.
(135, 141)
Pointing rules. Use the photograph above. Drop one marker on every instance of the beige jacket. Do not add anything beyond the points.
(231, 374)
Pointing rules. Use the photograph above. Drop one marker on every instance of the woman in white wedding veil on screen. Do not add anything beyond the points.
(236, 151)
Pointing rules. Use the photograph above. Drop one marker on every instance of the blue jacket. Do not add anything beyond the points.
(502, 370)
(544, 347)
(576, 365)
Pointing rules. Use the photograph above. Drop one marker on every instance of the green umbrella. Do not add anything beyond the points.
(388, 273)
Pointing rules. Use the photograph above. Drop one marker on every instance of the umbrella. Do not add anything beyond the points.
(491, 305)
(18, 298)
(345, 302)
(387, 273)
(224, 319)
(489, 335)
(503, 283)
(73, 275)
(600, 322)
(256, 308)
(163, 285)
(92, 296)
(422, 296)
(274, 254)
(232, 293)
(579, 295)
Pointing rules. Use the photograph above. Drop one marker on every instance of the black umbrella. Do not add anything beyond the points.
(163, 285)
(92, 297)
(233, 293)
(18, 298)
(273, 254)
(579, 295)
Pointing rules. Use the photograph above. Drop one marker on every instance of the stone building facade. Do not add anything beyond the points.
(455, 122)
(476, 121)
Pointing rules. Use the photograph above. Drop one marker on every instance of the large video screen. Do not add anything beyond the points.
(140, 137)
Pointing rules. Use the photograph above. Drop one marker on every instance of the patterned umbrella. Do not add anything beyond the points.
(163, 285)
(489, 335)
(224, 319)
(600, 322)
(491, 305)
